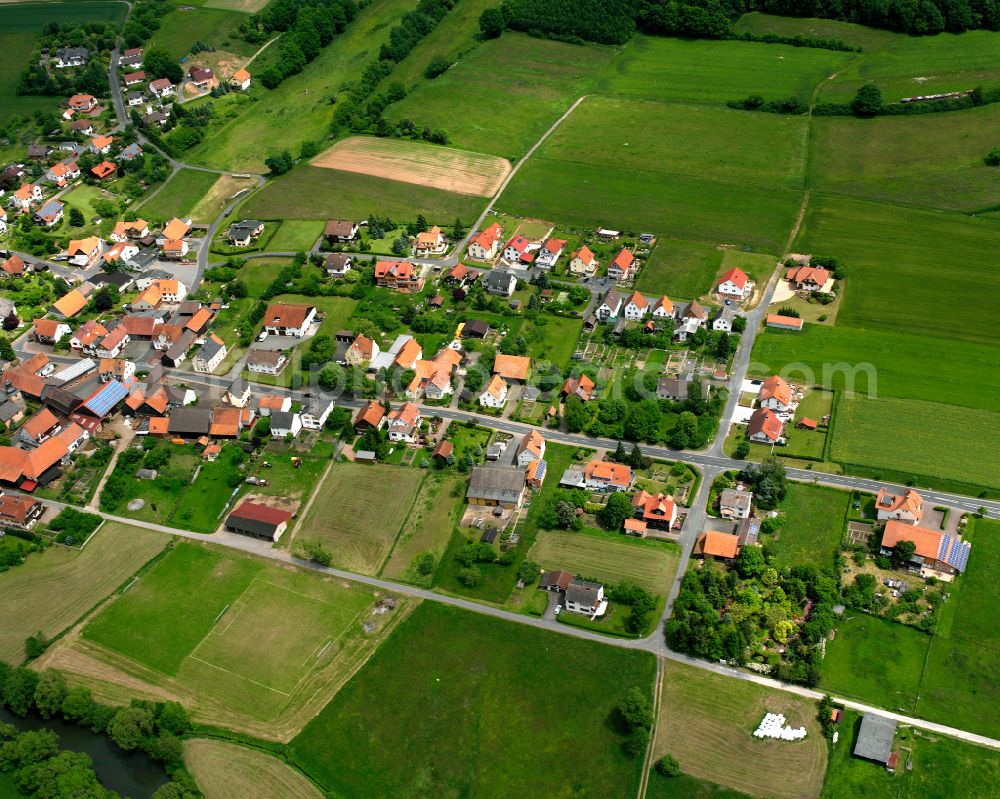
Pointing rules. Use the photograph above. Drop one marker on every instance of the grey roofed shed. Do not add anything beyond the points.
(875, 738)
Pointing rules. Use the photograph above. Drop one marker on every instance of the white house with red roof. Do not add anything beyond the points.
(26, 196)
(622, 267)
(583, 262)
(663, 308)
(162, 87)
(549, 253)
(636, 307)
(515, 249)
(734, 285)
(485, 245)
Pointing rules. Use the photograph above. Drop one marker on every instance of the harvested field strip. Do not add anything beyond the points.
(224, 770)
(443, 168)
(702, 712)
(647, 564)
(56, 587)
(429, 526)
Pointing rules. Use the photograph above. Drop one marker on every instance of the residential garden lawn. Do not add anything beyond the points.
(83, 196)
(680, 269)
(684, 786)
(542, 79)
(552, 338)
(610, 557)
(20, 25)
(830, 356)
(179, 195)
(693, 140)
(453, 733)
(55, 588)
(863, 426)
(877, 660)
(224, 769)
(296, 235)
(210, 626)
(701, 711)
(429, 526)
(311, 192)
(353, 516)
(217, 197)
(677, 206)
(929, 160)
(942, 254)
(957, 687)
(261, 128)
(715, 72)
(913, 65)
(179, 31)
(810, 444)
(943, 768)
(285, 480)
(205, 501)
(813, 526)
(855, 35)
(467, 440)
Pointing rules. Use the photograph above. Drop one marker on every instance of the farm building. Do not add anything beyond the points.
(780, 322)
(497, 486)
(258, 521)
(875, 738)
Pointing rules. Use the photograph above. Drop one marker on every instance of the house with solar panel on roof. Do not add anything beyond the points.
(936, 554)
(99, 405)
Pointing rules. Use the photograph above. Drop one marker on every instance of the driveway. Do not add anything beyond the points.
(555, 600)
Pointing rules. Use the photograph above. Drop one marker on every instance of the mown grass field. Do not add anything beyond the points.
(931, 160)
(839, 357)
(262, 128)
(310, 192)
(552, 338)
(539, 79)
(179, 196)
(223, 770)
(296, 235)
(485, 709)
(922, 65)
(702, 712)
(813, 526)
(906, 266)
(875, 659)
(429, 526)
(683, 139)
(684, 786)
(55, 588)
(212, 626)
(855, 35)
(216, 26)
(943, 768)
(715, 72)
(862, 430)
(680, 269)
(19, 26)
(612, 558)
(358, 512)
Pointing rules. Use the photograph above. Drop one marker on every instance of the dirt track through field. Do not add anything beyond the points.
(428, 165)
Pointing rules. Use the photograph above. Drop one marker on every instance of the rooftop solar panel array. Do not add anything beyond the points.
(106, 398)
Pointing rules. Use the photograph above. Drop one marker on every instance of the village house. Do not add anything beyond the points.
(399, 275)
(404, 353)
(906, 506)
(122, 252)
(175, 249)
(500, 282)
(82, 126)
(240, 80)
(340, 231)
(337, 264)
(636, 306)
(70, 304)
(105, 169)
(243, 233)
(269, 403)
(362, 351)
(49, 331)
(607, 476)
(314, 413)
(285, 319)
(136, 229)
(130, 152)
(134, 78)
(174, 229)
(735, 285)
(266, 362)
(530, 449)
(717, 545)
(162, 87)
(430, 242)
(50, 214)
(494, 394)
(675, 388)
(765, 427)
(610, 305)
(622, 267)
(26, 195)
(723, 319)
(657, 511)
(115, 369)
(583, 262)
(101, 144)
(370, 417)
(663, 308)
(212, 353)
(133, 100)
(549, 253)
(13, 266)
(62, 173)
(512, 367)
(586, 598)
(86, 337)
(433, 378)
(84, 253)
(19, 512)
(285, 425)
(82, 103)
(483, 246)
(776, 395)
(734, 503)
(403, 424)
(807, 278)
(201, 77)
(936, 554)
(70, 57)
(581, 386)
(497, 486)
(515, 250)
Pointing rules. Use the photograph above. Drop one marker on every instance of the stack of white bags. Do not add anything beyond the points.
(773, 726)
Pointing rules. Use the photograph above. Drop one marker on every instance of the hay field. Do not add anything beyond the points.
(358, 512)
(649, 564)
(223, 770)
(428, 527)
(56, 587)
(707, 722)
(437, 167)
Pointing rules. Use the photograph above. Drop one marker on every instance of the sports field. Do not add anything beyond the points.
(180, 195)
(429, 526)
(539, 79)
(860, 438)
(311, 192)
(428, 165)
(223, 770)
(359, 510)
(212, 626)
(703, 713)
(55, 588)
(650, 564)
(479, 707)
